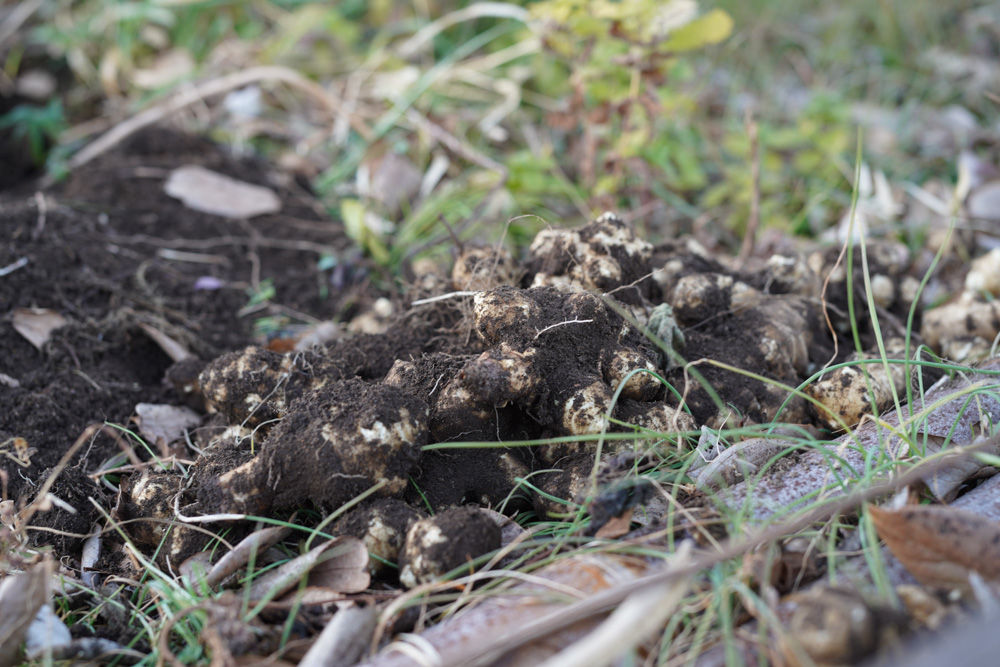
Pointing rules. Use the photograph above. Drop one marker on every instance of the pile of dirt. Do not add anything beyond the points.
(426, 403)
(115, 256)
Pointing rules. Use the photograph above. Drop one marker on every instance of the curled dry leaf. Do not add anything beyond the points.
(941, 546)
(173, 349)
(257, 542)
(37, 324)
(165, 422)
(547, 591)
(21, 596)
(211, 192)
(47, 634)
(344, 639)
(340, 564)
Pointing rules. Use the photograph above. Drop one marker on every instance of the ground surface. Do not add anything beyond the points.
(120, 260)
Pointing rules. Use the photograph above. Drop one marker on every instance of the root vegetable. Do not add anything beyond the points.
(478, 268)
(333, 444)
(847, 394)
(964, 330)
(444, 542)
(381, 525)
(602, 255)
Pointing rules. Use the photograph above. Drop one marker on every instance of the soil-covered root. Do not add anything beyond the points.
(444, 542)
(851, 392)
(603, 255)
(779, 337)
(146, 509)
(453, 412)
(965, 330)
(255, 386)
(559, 355)
(335, 443)
(381, 525)
(454, 477)
(893, 289)
(480, 268)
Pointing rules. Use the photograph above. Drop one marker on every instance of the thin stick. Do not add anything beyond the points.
(218, 86)
(753, 222)
(442, 297)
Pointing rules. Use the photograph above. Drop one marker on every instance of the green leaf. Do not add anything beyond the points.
(711, 28)
(352, 212)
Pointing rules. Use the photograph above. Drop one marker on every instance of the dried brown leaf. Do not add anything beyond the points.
(21, 596)
(941, 545)
(170, 347)
(37, 324)
(257, 542)
(615, 527)
(343, 568)
(344, 639)
(211, 192)
(342, 565)
(166, 422)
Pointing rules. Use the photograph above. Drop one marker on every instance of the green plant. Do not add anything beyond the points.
(37, 126)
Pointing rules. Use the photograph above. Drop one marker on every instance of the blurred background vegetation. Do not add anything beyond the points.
(684, 116)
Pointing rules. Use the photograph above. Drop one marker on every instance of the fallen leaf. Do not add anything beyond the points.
(164, 422)
(46, 634)
(984, 202)
(211, 192)
(167, 68)
(37, 324)
(257, 542)
(615, 527)
(940, 545)
(170, 347)
(343, 568)
(21, 596)
(344, 639)
(342, 565)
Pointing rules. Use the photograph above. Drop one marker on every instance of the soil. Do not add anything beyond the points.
(103, 250)
(536, 353)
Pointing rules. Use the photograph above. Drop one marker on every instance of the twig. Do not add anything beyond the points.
(442, 297)
(753, 222)
(559, 324)
(11, 268)
(18, 15)
(474, 11)
(210, 88)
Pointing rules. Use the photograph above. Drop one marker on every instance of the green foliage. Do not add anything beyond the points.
(37, 126)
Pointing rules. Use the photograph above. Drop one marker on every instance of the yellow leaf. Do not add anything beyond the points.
(352, 212)
(711, 28)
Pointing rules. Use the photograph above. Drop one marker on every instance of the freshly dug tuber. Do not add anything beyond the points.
(984, 274)
(602, 255)
(478, 268)
(847, 395)
(964, 330)
(381, 525)
(444, 542)
(333, 444)
(145, 506)
(254, 386)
